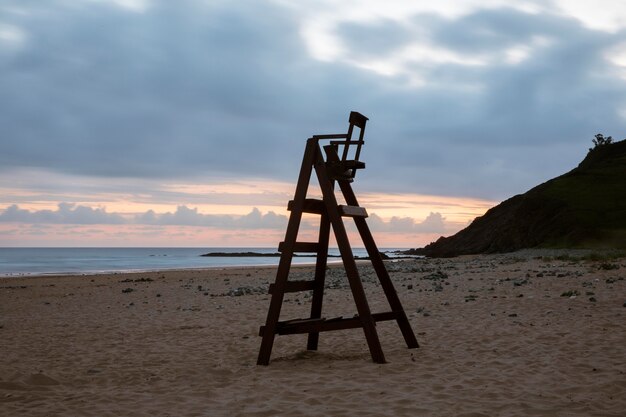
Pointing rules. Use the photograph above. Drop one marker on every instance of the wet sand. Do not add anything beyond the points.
(501, 335)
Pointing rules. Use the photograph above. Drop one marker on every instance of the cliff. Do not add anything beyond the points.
(584, 208)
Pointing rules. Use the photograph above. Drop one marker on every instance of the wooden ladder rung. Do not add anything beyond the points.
(316, 206)
(281, 325)
(298, 322)
(387, 315)
(299, 326)
(311, 205)
(300, 247)
(352, 211)
(295, 286)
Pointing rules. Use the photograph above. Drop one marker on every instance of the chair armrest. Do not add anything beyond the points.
(337, 136)
(347, 142)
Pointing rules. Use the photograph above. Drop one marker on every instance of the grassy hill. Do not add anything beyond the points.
(584, 208)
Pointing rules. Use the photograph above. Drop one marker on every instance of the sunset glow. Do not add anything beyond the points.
(221, 202)
(183, 123)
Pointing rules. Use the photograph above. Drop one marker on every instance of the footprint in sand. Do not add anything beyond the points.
(14, 386)
(33, 382)
(41, 380)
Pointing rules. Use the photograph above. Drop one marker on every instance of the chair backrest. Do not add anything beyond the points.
(358, 120)
(345, 167)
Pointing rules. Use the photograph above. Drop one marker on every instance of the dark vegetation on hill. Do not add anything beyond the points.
(584, 208)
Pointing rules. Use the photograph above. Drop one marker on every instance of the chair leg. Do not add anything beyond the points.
(282, 274)
(381, 270)
(365, 315)
(320, 277)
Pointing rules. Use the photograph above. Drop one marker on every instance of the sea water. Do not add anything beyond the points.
(47, 261)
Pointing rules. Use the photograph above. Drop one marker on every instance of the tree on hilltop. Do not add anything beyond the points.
(600, 140)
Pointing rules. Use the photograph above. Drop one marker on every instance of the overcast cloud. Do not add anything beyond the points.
(74, 214)
(485, 103)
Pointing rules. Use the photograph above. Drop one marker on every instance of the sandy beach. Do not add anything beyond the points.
(501, 335)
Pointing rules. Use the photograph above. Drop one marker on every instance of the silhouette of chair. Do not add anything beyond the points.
(345, 169)
(330, 171)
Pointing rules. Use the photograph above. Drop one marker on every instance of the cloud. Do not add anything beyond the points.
(483, 130)
(185, 216)
(175, 90)
(475, 104)
(433, 223)
(66, 213)
(72, 214)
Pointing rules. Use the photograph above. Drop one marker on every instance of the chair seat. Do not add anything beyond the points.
(352, 164)
(343, 165)
(344, 170)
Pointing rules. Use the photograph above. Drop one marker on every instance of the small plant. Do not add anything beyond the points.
(596, 256)
(436, 276)
(570, 293)
(608, 266)
(600, 140)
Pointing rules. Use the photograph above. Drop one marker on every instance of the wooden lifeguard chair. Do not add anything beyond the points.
(330, 170)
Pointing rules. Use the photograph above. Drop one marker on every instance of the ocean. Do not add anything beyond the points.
(75, 261)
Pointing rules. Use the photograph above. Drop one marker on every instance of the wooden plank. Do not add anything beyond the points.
(353, 164)
(287, 323)
(358, 119)
(341, 236)
(344, 169)
(295, 286)
(333, 136)
(311, 152)
(316, 206)
(346, 142)
(307, 247)
(311, 205)
(386, 316)
(320, 277)
(318, 325)
(380, 269)
(352, 211)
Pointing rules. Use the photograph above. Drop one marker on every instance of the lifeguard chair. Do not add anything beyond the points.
(330, 171)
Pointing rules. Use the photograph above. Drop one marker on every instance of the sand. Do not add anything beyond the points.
(497, 335)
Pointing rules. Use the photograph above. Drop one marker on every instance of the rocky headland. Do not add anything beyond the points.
(584, 208)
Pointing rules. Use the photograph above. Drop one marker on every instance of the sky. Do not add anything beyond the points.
(161, 123)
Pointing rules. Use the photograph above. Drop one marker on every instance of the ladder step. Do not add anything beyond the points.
(299, 326)
(295, 286)
(352, 211)
(300, 247)
(311, 205)
(315, 206)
